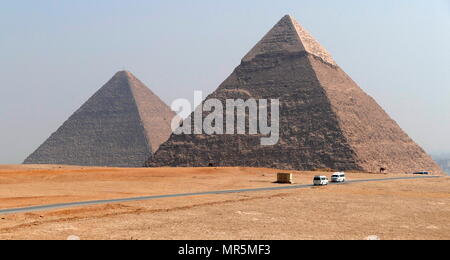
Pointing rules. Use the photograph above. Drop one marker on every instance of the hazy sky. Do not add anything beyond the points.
(55, 54)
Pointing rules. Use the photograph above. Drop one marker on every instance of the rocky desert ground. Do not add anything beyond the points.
(400, 209)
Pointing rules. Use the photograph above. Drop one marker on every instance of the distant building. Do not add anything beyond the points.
(445, 165)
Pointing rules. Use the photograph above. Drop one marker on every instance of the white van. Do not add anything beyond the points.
(338, 177)
(320, 181)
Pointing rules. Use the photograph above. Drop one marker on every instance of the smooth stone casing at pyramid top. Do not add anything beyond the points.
(120, 126)
(326, 120)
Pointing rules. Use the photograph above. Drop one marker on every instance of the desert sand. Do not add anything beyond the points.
(402, 209)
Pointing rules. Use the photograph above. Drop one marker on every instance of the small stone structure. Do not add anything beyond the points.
(285, 178)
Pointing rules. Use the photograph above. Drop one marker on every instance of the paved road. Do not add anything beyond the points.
(100, 202)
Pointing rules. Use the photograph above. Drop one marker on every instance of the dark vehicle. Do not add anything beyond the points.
(422, 173)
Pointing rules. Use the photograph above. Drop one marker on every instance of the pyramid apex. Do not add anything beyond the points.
(289, 36)
(124, 73)
(288, 17)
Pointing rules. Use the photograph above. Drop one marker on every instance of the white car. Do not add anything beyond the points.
(320, 181)
(338, 177)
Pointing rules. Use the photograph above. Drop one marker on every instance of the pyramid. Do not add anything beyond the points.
(326, 120)
(120, 126)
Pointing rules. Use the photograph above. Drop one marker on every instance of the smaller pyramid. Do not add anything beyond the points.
(121, 125)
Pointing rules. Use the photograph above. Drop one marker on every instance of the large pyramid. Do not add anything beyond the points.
(326, 120)
(120, 126)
